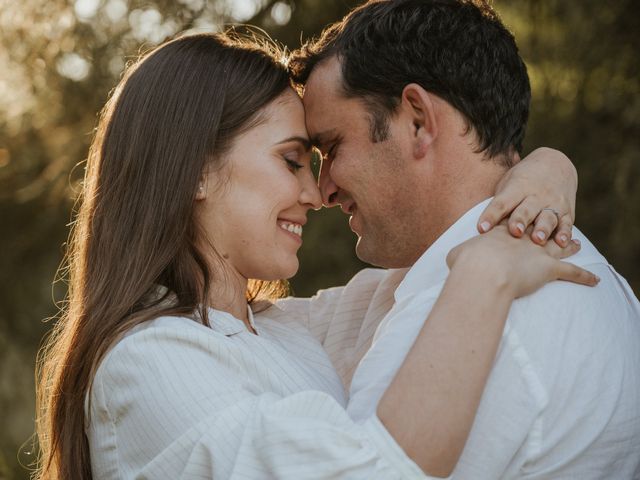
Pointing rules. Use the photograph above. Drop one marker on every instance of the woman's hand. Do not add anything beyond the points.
(517, 265)
(540, 191)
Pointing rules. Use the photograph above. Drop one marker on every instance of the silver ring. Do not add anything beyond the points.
(555, 212)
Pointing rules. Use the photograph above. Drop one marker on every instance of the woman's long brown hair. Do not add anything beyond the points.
(175, 112)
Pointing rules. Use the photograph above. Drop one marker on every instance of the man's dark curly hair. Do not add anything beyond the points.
(456, 49)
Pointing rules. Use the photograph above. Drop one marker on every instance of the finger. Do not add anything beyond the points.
(546, 222)
(572, 273)
(564, 230)
(452, 255)
(558, 252)
(524, 215)
(554, 250)
(499, 207)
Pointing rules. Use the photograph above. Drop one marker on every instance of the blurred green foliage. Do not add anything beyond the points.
(60, 59)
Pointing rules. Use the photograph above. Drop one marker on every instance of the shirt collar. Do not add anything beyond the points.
(431, 268)
(227, 324)
(219, 320)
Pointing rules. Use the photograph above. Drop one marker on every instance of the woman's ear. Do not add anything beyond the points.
(200, 193)
(201, 190)
(420, 108)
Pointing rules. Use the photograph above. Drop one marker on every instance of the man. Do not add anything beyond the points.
(420, 108)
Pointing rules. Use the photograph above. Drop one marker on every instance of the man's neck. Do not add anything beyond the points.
(475, 181)
(431, 268)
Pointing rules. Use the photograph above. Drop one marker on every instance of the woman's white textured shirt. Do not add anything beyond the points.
(175, 399)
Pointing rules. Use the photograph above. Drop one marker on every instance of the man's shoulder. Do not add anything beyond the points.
(560, 304)
(568, 333)
(565, 328)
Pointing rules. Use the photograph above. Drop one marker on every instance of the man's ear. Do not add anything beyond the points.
(420, 108)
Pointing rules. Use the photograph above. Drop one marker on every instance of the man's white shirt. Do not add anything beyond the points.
(563, 398)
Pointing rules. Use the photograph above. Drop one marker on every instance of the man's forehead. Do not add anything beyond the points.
(322, 101)
(325, 79)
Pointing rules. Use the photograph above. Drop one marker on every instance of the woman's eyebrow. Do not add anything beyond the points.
(302, 140)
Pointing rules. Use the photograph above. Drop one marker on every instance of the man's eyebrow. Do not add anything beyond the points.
(306, 143)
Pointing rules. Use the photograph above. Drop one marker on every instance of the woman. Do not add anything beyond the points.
(198, 181)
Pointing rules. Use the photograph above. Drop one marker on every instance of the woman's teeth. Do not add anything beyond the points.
(292, 227)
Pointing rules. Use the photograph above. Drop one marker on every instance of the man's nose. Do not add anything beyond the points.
(328, 188)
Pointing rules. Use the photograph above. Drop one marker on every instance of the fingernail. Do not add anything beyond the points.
(576, 241)
(597, 279)
(563, 238)
(540, 235)
(485, 226)
(520, 227)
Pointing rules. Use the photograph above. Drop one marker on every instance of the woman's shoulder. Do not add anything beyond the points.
(162, 327)
(155, 341)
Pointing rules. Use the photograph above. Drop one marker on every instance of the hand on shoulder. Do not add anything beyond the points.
(517, 264)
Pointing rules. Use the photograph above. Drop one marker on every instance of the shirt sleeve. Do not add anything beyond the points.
(170, 403)
(562, 400)
(345, 305)
(344, 319)
(506, 427)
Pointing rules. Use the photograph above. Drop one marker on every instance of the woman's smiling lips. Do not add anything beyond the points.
(292, 228)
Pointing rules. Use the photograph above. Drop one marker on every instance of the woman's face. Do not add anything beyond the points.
(254, 209)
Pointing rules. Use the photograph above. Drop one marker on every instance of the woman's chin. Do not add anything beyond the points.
(284, 271)
(289, 272)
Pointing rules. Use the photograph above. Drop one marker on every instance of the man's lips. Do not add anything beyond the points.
(348, 206)
(354, 222)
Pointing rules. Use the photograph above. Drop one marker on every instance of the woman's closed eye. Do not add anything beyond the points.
(292, 162)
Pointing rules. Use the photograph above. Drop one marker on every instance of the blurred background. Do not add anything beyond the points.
(60, 59)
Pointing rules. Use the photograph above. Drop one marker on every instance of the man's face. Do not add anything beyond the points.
(371, 181)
